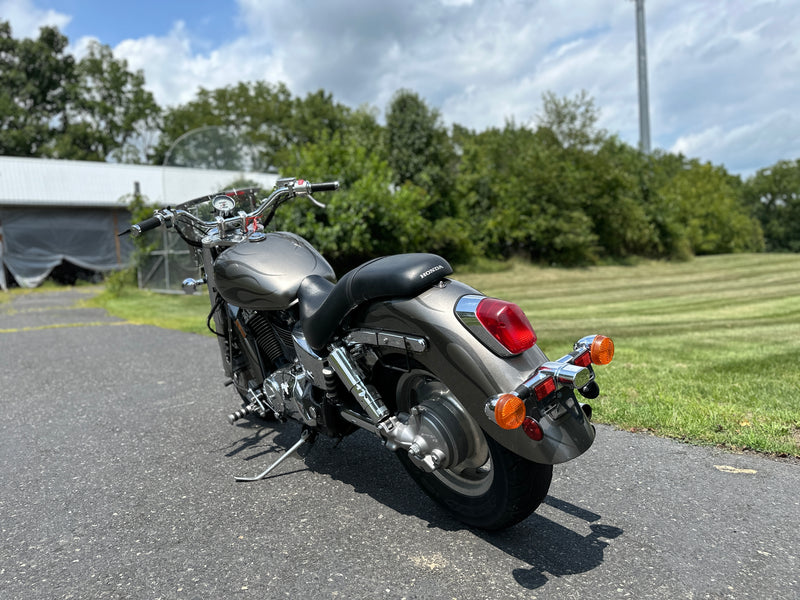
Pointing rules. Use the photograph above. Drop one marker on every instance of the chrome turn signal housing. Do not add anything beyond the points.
(599, 347)
(573, 370)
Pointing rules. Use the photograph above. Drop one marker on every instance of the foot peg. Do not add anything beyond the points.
(305, 437)
(255, 407)
(240, 414)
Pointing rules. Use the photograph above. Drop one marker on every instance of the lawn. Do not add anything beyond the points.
(706, 350)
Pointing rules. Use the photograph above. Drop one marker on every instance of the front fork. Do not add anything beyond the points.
(222, 320)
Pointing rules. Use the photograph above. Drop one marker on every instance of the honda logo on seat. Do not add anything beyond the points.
(433, 270)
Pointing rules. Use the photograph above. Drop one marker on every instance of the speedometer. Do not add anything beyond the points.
(223, 204)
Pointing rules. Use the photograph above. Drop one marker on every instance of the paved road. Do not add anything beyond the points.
(117, 482)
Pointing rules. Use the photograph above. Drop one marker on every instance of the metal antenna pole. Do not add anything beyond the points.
(641, 64)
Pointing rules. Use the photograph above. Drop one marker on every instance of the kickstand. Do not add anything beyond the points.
(306, 436)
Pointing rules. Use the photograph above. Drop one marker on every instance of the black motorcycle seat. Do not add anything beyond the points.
(323, 305)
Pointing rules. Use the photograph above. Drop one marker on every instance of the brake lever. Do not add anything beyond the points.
(316, 202)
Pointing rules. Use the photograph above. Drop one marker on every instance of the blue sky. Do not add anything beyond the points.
(724, 75)
(113, 22)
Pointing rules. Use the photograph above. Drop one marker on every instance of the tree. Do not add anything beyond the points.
(773, 194)
(612, 198)
(52, 106)
(572, 120)
(110, 115)
(418, 146)
(711, 210)
(368, 216)
(421, 154)
(36, 83)
(523, 198)
(252, 111)
(264, 116)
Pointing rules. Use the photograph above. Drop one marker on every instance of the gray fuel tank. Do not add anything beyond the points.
(265, 271)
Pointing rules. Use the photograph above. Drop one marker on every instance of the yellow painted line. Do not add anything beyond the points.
(46, 308)
(25, 311)
(65, 325)
(729, 469)
(11, 307)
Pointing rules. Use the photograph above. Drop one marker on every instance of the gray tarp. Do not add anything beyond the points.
(3, 285)
(36, 240)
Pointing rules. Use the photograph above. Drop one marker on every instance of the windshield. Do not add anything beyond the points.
(205, 161)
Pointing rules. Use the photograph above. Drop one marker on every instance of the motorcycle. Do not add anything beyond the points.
(450, 380)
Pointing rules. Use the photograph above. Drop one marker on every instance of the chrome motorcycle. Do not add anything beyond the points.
(450, 380)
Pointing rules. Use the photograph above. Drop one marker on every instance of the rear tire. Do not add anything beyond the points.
(503, 491)
(517, 488)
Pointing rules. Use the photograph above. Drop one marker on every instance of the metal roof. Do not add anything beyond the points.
(49, 182)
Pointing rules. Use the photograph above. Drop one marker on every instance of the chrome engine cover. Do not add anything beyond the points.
(288, 393)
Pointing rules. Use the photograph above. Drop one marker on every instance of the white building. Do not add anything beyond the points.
(53, 211)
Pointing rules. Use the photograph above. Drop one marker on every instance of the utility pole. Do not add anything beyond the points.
(641, 64)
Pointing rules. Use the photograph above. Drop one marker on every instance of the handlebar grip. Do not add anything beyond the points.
(328, 186)
(146, 225)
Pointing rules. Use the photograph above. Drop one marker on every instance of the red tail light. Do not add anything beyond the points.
(544, 389)
(507, 324)
(583, 360)
(532, 429)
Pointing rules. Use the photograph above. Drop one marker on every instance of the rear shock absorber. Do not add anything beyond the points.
(349, 375)
(331, 394)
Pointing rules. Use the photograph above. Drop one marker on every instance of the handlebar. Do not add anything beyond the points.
(289, 188)
(329, 186)
(146, 225)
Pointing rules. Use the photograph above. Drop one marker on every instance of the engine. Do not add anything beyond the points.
(288, 393)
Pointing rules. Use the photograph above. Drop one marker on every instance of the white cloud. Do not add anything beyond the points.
(722, 81)
(174, 70)
(80, 47)
(480, 63)
(745, 148)
(26, 19)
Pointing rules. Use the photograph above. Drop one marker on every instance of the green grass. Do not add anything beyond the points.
(46, 286)
(170, 311)
(706, 351)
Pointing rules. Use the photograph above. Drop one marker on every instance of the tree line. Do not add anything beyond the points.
(559, 191)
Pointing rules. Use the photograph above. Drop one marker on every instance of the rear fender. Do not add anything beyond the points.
(474, 374)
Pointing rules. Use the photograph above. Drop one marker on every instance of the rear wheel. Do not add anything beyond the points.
(492, 488)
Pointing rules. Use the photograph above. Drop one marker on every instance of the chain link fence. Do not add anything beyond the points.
(168, 264)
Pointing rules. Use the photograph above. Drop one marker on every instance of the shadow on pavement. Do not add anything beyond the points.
(549, 548)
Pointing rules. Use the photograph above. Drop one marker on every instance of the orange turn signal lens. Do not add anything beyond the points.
(602, 350)
(509, 412)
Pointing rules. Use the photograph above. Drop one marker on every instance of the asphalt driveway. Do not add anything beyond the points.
(117, 470)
